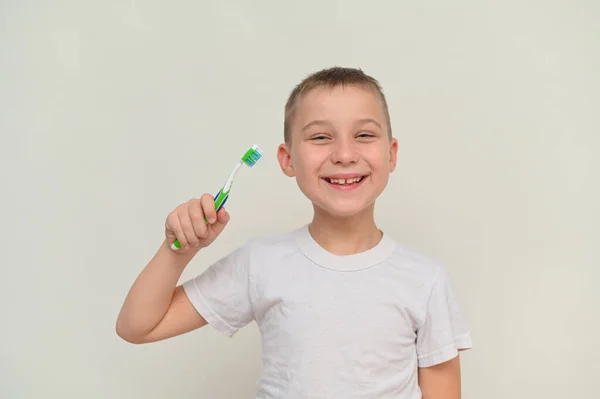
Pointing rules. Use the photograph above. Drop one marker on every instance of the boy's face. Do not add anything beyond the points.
(339, 151)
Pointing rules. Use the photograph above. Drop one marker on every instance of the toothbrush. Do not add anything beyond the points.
(249, 158)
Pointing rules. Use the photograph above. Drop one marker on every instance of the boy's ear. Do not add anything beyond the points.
(393, 154)
(285, 160)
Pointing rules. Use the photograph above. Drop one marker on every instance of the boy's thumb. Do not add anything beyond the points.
(222, 220)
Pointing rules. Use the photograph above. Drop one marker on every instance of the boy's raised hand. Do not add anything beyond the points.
(186, 223)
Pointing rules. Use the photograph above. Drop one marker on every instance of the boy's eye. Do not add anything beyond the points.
(366, 135)
(319, 137)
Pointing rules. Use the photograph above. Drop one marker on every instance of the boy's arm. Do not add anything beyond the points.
(155, 308)
(442, 381)
(440, 339)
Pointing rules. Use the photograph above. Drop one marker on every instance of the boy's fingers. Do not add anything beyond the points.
(222, 216)
(197, 217)
(222, 219)
(179, 235)
(178, 232)
(188, 231)
(208, 207)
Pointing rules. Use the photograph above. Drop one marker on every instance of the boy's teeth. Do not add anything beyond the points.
(345, 181)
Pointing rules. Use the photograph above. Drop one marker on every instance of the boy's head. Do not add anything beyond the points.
(332, 78)
(338, 142)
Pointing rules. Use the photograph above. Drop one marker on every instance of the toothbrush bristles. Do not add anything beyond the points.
(252, 155)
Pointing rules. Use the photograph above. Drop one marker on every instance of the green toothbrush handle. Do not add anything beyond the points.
(220, 200)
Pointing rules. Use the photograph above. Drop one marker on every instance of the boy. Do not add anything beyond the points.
(343, 310)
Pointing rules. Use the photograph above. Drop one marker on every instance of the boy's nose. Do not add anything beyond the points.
(344, 152)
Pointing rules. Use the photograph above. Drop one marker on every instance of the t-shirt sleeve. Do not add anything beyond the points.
(444, 331)
(221, 293)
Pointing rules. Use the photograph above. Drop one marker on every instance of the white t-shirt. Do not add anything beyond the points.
(352, 326)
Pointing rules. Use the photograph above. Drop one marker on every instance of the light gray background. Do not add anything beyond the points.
(114, 112)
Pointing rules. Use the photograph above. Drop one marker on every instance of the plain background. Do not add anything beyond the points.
(114, 112)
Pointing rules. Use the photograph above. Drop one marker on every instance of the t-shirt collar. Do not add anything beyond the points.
(362, 260)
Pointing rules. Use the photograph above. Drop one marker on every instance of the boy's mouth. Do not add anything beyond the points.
(345, 182)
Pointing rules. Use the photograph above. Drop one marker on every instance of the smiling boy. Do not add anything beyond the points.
(343, 310)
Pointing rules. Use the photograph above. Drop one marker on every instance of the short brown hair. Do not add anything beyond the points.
(331, 78)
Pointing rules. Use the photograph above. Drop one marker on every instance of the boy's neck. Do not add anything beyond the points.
(345, 236)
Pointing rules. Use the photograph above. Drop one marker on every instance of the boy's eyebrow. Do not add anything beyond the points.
(316, 122)
(320, 122)
(369, 120)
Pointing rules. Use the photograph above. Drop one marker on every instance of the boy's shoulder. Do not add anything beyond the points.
(274, 243)
(412, 259)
